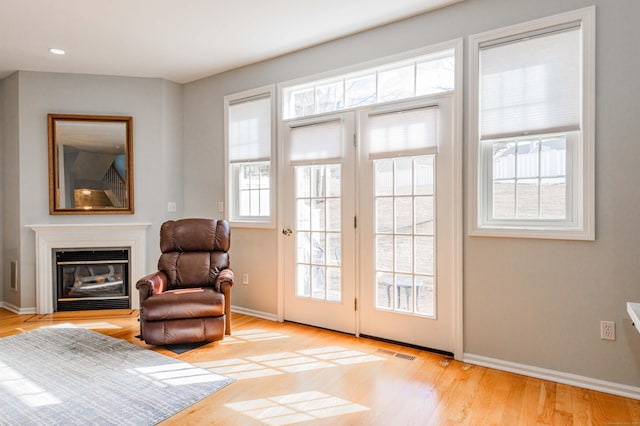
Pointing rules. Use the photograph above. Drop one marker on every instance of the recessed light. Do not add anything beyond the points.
(57, 51)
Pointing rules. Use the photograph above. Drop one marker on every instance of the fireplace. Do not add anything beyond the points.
(96, 278)
(50, 237)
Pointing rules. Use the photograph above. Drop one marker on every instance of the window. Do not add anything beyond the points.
(529, 177)
(249, 138)
(532, 129)
(418, 76)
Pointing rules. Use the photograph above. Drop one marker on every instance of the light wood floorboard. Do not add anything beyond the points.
(289, 373)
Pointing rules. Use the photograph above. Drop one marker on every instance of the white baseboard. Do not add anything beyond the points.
(555, 376)
(252, 313)
(17, 310)
(237, 309)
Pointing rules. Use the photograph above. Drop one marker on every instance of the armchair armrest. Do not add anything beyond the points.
(151, 284)
(223, 284)
(224, 280)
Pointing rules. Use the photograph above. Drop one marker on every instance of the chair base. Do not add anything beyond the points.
(187, 330)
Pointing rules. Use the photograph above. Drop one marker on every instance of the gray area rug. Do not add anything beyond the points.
(74, 376)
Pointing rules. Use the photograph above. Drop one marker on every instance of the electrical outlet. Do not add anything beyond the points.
(245, 279)
(221, 206)
(171, 206)
(608, 330)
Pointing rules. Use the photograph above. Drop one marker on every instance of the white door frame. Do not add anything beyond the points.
(458, 327)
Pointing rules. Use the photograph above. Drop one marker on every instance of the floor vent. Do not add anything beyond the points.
(396, 354)
(405, 356)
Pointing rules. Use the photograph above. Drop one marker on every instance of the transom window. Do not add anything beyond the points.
(418, 76)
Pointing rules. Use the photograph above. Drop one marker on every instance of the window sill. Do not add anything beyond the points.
(536, 233)
(251, 224)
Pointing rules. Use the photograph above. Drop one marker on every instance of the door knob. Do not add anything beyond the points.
(287, 232)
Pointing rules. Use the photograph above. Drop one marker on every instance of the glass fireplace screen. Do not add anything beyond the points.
(92, 279)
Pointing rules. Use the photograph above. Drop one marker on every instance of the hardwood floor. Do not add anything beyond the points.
(288, 373)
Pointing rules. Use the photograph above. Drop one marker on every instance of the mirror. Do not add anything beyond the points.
(90, 164)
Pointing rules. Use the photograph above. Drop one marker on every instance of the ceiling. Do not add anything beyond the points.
(177, 40)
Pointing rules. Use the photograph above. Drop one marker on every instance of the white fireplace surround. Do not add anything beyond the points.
(60, 236)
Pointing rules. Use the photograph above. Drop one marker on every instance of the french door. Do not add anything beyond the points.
(368, 230)
(407, 221)
(320, 235)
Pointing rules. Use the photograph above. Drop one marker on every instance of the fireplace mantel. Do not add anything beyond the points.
(57, 236)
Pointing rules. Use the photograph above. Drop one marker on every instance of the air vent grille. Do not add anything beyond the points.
(396, 354)
(92, 255)
(88, 304)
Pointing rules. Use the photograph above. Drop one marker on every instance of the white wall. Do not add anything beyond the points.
(155, 106)
(533, 302)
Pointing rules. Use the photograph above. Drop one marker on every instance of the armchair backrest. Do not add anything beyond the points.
(194, 251)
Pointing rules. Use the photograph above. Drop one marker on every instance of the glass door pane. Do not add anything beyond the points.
(404, 235)
(318, 237)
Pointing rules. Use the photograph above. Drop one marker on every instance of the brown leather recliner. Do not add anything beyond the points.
(188, 299)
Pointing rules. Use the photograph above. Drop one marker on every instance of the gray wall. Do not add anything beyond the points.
(535, 302)
(156, 107)
(2, 259)
(10, 186)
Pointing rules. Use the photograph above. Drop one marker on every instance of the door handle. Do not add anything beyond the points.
(287, 232)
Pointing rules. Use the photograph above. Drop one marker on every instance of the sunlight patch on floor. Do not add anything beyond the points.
(27, 391)
(296, 407)
(288, 362)
(341, 356)
(256, 335)
(100, 325)
(176, 375)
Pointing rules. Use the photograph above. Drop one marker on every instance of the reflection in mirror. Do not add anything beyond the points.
(90, 164)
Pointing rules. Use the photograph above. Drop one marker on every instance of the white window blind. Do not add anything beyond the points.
(404, 133)
(250, 130)
(530, 84)
(319, 143)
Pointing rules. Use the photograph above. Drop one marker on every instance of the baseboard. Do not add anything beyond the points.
(237, 309)
(555, 376)
(17, 310)
(251, 312)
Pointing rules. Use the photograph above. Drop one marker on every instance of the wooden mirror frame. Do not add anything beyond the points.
(100, 139)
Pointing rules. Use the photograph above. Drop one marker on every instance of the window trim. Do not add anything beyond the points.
(230, 182)
(582, 227)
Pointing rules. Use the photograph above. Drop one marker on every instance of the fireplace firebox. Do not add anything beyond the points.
(91, 279)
